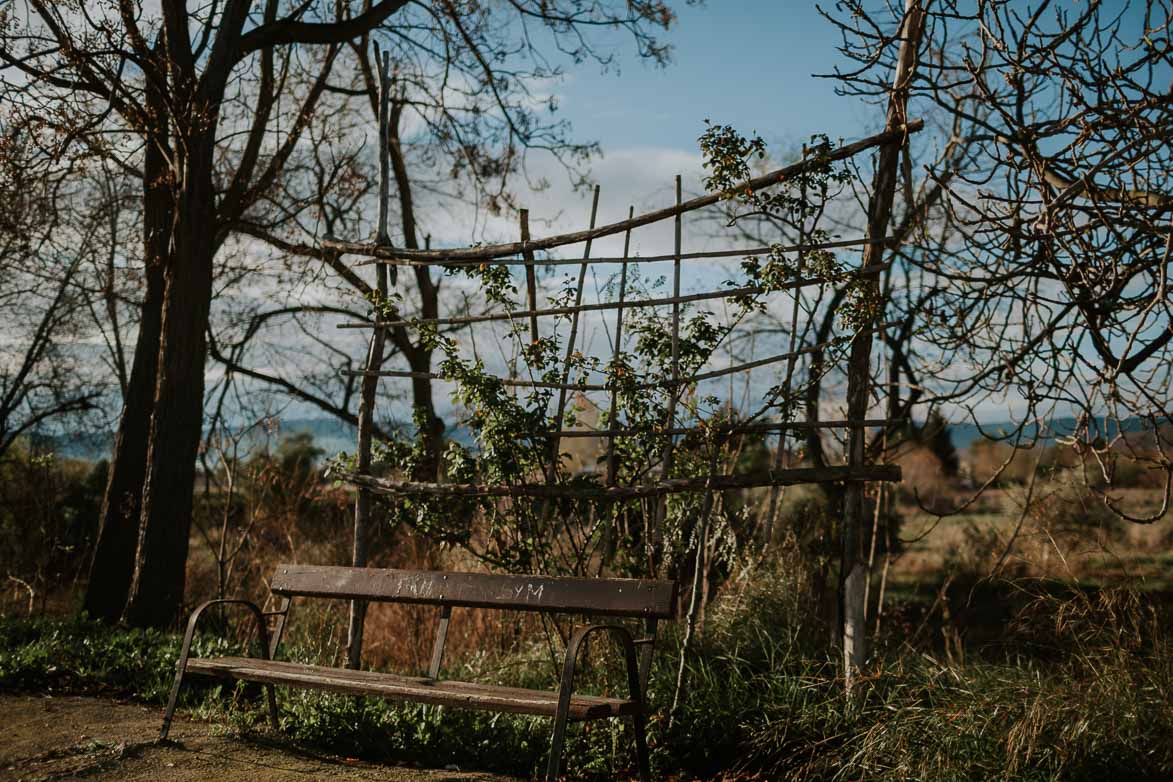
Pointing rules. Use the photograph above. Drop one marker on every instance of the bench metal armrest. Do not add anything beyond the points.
(622, 636)
(185, 652)
(262, 630)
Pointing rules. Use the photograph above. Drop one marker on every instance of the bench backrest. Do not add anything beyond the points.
(551, 594)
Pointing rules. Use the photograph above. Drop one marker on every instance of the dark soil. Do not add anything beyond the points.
(59, 738)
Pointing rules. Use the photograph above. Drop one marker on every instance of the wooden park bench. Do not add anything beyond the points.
(650, 601)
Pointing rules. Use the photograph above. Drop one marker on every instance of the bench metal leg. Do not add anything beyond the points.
(171, 700)
(556, 745)
(641, 747)
(168, 715)
(559, 742)
(185, 652)
(566, 689)
(180, 670)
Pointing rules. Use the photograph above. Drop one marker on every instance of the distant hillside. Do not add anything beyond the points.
(966, 434)
(89, 446)
(334, 436)
(330, 434)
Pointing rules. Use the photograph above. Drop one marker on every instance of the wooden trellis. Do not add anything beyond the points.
(382, 254)
(521, 254)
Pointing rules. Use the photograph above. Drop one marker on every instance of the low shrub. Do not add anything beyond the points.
(48, 522)
(75, 655)
(1097, 707)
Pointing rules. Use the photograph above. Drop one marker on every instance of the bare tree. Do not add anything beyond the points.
(42, 379)
(1042, 272)
(1028, 249)
(188, 102)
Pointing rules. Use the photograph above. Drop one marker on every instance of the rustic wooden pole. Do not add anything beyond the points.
(675, 301)
(787, 406)
(726, 429)
(629, 224)
(790, 477)
(531, 277)
(674, 397)
(853, 572)
(613, 411)
(665, 383)
(562, 393)
(676, 294)
(370, 382)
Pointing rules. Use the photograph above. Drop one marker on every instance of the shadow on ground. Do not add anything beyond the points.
(58, 738)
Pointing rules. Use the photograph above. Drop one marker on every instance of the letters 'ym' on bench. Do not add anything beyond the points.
(620, 598)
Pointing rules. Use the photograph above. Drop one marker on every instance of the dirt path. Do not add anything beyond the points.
(47, 738)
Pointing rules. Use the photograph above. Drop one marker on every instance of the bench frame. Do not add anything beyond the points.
(651, 600)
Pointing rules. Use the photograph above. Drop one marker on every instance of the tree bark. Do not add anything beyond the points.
(114, 551)
(431, 426)
(176, 424)
(419, 358)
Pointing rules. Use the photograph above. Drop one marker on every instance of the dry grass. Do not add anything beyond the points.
(1065, 535)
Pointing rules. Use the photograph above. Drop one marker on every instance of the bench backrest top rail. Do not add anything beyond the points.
(550, 594)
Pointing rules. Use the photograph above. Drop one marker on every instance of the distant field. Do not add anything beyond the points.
(1059, 538)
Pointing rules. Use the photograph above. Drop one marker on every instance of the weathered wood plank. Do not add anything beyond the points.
(408, 688)
(550, 594)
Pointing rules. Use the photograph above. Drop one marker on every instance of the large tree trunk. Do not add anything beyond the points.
(113, 563)
(118, 531)
(176, 425)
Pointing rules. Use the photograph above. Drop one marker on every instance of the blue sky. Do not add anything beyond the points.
(745, 63)
(737, 62)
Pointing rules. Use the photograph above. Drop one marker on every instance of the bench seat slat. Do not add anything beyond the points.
(554, 594)
(408, 688)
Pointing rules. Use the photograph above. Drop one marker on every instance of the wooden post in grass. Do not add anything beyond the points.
(853, 574)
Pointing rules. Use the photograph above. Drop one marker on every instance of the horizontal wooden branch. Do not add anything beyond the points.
(507, 382)
(665, 383)
(761, 362)
(490, 251)
(724, 429)
(518, 315)
(696, 256)
(785, 477)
